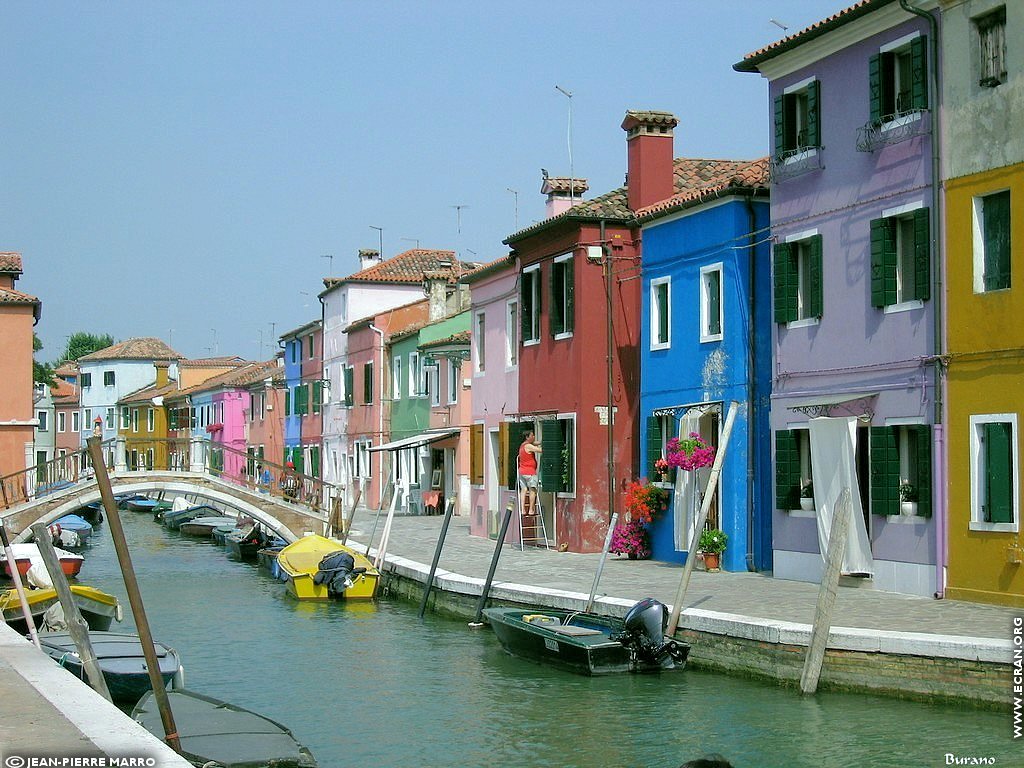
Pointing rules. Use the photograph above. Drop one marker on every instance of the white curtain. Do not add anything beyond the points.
(833, 468)
(685, 517)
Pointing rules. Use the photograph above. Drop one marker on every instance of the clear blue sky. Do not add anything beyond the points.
(178, 169)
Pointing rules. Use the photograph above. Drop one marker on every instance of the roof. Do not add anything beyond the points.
(691, 176)
(456, 339)
(563, 185)
(212, 362)
(146, 348)
(310, 326)
(238, 377)
(67, 368)
(490, 268)
(405, 268)
(751, 61)
(14, 296)
(148, 392)
(63, 392)
(10, 261)
(725, 177)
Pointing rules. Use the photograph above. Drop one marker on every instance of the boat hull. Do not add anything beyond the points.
(299, 563)
(173, 519)
(97, 608)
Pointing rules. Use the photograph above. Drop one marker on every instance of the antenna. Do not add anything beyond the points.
(515, 192)
(572, 176)
(778, 24)
(413, 240)
(326, 256)
(380, 237)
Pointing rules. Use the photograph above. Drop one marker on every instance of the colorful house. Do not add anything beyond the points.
(265, 429)
(143, 422)
(706, 342)
(304, 396)
(19, 313)
(67, 418)
(983, 155)
(855, 413)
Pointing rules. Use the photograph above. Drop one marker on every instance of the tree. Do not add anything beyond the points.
(41, 372)
(82, 343)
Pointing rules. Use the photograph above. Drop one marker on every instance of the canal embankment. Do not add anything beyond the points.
(737, 623)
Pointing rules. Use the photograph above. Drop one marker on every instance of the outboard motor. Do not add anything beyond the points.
(337, 570)
(643, 633)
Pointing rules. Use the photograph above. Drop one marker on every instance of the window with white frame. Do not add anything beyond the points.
(661, 313)
(530, 303)
(76, 424)
(41, 418)
(453, 382)
(87, 417)
(900, 256)
(991, 30)
(135, 419)
(995, 467)
(432, 381)
(110, 418)
(363, 466)
(62, 421)
(511, 333)
(150, 420)
(85, 380)
(562, 297)
(396, 378)
(125, 417)
(108, 378)
(415, 375)
(479, 342)
(797, 277)
(898, 79)
(711, 303)
(797, 119)
(991, 240)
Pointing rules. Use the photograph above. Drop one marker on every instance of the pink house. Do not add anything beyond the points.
(265, 417)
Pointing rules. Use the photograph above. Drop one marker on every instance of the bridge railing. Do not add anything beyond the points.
(50, 476)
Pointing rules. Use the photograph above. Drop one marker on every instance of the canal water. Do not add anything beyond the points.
(373, 685)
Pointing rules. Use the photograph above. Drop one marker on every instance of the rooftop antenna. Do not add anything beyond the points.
(331, 257)
(458, 225)
(515, 192)
(380, 240)
(413, 240)
(572, 176)
(778, 24)
(215, 348)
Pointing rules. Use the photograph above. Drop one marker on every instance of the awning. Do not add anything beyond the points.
(430, 436)
(857, 404)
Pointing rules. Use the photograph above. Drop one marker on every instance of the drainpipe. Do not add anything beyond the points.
(938, 308)
(606, 250)
(752, 409)
(380, 416)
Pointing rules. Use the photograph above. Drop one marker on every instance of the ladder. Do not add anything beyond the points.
(532, 530)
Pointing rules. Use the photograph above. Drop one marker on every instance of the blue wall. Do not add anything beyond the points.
(293, 378)
(691, 372)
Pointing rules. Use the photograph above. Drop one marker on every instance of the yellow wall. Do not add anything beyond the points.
(985, 341)
(142, 439)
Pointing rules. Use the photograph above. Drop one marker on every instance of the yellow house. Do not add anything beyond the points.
(143, 422)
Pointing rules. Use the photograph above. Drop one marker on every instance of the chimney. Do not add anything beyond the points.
(368, 257)
(162, 367)
(436, 286)
(650, 174)
(563, 193)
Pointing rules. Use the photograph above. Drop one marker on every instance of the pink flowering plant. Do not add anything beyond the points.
(689, 452)
(661, 466)
(631, 538)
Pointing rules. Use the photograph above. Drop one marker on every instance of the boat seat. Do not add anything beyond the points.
(540, 618)
(573, 631)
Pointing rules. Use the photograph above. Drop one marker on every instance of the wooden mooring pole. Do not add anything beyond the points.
(449, 509)
(600, 564)
(18, 586)
(476, 623)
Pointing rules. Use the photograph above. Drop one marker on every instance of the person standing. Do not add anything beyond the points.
(529, 450)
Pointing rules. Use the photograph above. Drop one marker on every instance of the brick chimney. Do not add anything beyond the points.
(650, 175)
(368, 257)
(563, 192)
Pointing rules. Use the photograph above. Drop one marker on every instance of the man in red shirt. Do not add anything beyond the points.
(527, 463)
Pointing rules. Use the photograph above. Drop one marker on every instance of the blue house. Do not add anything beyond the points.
(292, 342)
(706, 341)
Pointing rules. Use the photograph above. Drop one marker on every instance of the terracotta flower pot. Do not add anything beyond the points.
(712, 561)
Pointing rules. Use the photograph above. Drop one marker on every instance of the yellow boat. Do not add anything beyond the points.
(98, 608)
(310, 578)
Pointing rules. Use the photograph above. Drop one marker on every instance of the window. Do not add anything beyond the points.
(363, 466)
(125, 418)
(558, 455)
(900, 257)
(396, 378)
(476, 454)
(108, 378)
(995, 467)
(562, 290)
(453, 382)
(310, 347)
(660, 429)
(511, 333)
(992, 242)
(901, 468)
(661, 313)
(480, 341)
(797, 274)
(350, 394)
(135, 419)
(432, 383)
(530, 302)
(41, 417)
(318, 395)
(711, 303)
(898, 79)
(415, 375)
(368, 383)
(62, 421)
(301, 402)
(76, 425)
(110, 418)
(86, 380)
(150, 419)
(797, 119)
(792, 467)
(992, 48)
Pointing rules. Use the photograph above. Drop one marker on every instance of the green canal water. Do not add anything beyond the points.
(374, 686)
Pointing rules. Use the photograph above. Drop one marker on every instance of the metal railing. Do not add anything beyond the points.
(49, 476)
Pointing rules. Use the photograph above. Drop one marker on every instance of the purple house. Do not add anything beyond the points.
(855, 405)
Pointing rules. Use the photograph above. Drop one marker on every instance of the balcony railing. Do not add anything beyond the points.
(893, 130)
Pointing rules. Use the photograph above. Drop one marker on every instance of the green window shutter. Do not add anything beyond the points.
(300, 402)
(998, 473)
(813, 114)
(875, 88)
(318, 394)
(787, 470)
(557, 320)
(922, 255)
(287, 402)
(314, 461)
(526, 305)
(996, 223)
(922, 436)
(516, 430)
(879, 234)
(570, 297)
(783, 279)
(885, 472)
(714, 303)
(662, 298)
(780, 135)
(654, 442)
(297, 460)
(349, 384)
(919, 72)
(551, 457)
(815, 303)
(368, 382)
(172, 419)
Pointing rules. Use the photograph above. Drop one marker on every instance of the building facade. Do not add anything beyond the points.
(19, 313)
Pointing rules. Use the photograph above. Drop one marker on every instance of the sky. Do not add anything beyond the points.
(193, 170)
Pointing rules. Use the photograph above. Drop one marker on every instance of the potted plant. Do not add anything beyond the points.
(807, 496)
(689, 452)
(644, 500)
(661, 467)
(711, 544)
(908, 500)
(631, 539)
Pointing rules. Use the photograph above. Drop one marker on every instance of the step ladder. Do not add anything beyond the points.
(532, 530)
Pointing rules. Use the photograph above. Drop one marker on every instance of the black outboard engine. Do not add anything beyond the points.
(643, 633)
(338, 571)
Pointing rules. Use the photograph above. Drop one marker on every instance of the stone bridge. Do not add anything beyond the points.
(289, 520)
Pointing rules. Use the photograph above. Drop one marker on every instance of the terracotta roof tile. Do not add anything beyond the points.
(239, 377)
(405, 268)
(563, 185)
(63, 390)
(12, 296)
(10, 261)
(67, 368)
(212, 362)
(712, 180)
(148, 392)
(145, 348)
(462, 337)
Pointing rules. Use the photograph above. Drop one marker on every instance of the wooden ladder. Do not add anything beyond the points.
(532, 530)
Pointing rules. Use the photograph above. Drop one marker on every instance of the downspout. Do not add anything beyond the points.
(607, 263)
(939, 457)
(380, 417)
(752, 409)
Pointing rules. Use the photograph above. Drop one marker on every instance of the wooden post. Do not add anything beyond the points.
(476, 623)
(386, 535)
(691, 557)
(77, 626)
(18, 586)
(351, 513)
(449, 509)
(131, 584)
(827, 594)
(600, 564)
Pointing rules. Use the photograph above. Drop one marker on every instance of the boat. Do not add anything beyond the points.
(173, 518)
(215, 732)
(318, 568)
(203, 526)
(267, 558)
(588, 643)
(97, 608)
(221, 532)
(93, 512)
(155, 506)
(35, 571)
(121, 660)
(77, 525)
(245, 542)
